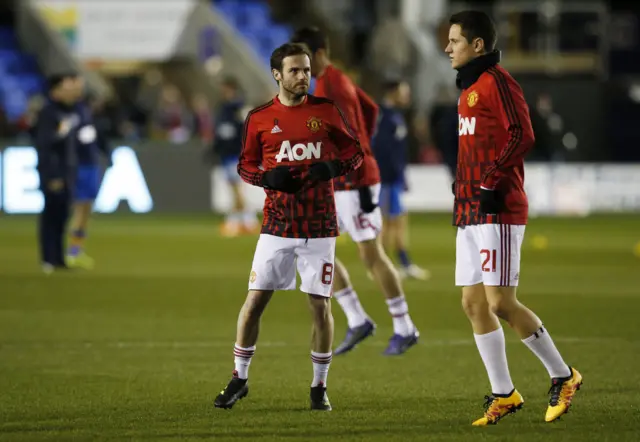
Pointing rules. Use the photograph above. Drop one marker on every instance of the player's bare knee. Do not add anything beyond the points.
(502, 304)
(256, 302)
(474, 302)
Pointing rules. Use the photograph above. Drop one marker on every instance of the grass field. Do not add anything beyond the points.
(138, 348)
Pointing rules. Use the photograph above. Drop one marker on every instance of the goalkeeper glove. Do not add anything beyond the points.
(491, 201)
(282, 179)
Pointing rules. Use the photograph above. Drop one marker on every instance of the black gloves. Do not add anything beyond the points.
(282, 179)
(453, 188)
(491, 201)
(366, 200)
(324, 171)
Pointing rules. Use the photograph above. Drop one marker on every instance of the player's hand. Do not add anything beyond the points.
(283, 179)
(55, 185)
(491, 201)
(366, 200)
(323, 171)
(453, 188)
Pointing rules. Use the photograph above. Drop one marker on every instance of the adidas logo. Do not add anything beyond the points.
(276, 129)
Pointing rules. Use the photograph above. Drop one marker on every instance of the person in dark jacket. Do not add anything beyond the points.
(390, 149)
(55, 135)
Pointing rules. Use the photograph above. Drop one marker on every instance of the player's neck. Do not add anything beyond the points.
(288, 99)
(322, 67)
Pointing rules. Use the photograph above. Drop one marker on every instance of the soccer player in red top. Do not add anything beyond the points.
(491, 213)
(293, 146)
(357, 196)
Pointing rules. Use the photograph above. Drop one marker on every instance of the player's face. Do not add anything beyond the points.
(296, 74)
(403, 95)
(460, 50)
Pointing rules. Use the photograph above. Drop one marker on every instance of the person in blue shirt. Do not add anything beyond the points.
(227, 145)
(90, 143)
(390, 146)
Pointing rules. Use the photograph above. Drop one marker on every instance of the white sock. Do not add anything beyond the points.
(249, 218)
(242, 360)
(348, 300)
(321, 362)
(399, 310)
(233, 217)
(541, 344)
(493, 352)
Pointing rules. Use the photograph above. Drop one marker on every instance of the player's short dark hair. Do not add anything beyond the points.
(284, 51)
(391, 85)
(54, 80)
(312, 37)
(231, 82)
(476, 24)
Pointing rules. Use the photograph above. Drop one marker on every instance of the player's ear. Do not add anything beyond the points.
(277, 75)
(478, 45)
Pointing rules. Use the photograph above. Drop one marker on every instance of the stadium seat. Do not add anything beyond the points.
(20, 76)
(252, 19)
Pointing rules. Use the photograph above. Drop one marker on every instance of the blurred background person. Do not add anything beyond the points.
(390, 148)
(91, 143)
(227, 145)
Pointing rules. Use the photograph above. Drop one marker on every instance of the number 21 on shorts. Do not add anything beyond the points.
(489, 259)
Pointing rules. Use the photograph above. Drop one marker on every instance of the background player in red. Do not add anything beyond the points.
(491, 211)
(357, 197)
(293, 146)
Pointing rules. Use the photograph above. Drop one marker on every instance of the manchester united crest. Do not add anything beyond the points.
(472, 98)
(314, 124)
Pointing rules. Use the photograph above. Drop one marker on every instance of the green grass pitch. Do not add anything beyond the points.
(138, 348)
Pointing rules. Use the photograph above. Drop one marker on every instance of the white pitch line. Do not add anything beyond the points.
(424, 342)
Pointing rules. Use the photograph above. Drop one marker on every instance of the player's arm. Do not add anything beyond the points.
(513, 113)
(350, 155)
(251, 155)
(45, 135)
(370, 111)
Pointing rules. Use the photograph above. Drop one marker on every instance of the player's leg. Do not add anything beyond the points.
(399, 220)
(273, 269)
(487, 332)
(232, 225)
(316, 268)
(359, 325)
(86, 191)
(364, 229)
(501, 245)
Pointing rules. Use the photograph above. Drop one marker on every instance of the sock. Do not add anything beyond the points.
(77, 240)
(403, 256)
(348, 300)
(402, 324)
(234, 217)
(541, 344)
(249, 218)
(242, 360)
(493, 352)
(321, 362)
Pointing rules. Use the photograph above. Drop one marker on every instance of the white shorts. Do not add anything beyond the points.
(276, 258)
(351, 219)
(488, 254)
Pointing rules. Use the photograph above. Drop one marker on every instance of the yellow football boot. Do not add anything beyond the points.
(561, 394)
(498, 407)
(80, 261)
